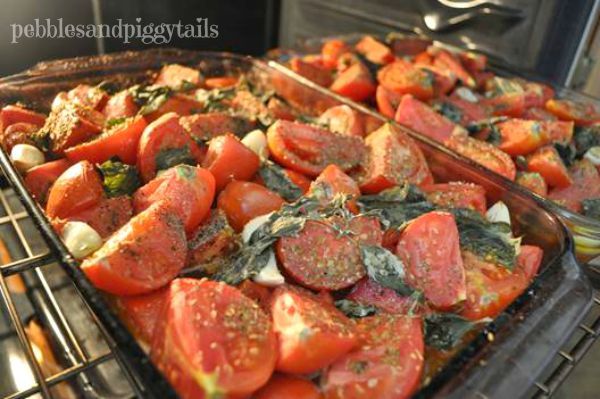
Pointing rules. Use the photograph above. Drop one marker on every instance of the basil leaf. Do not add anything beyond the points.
(108, 87)
(354, 309)
(215, 100)
(385, 268)
(445, 330)
(115, 122)
(119, 178)
(586, 137)
(170, 157)
(149, 99)
(449, 110)
(278, 181)
(391, 197)
(566, 151)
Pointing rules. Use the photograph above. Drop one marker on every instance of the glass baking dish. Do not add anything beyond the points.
(503, 360)
(585, 230)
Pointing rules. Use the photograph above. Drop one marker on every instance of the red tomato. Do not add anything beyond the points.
(457, 195)
(547, 162)
(228, 159)
(88, 96)
(71, 125)
(11, 114)
(538, 114)
(319, 258)
(491, 288)
(213, 341)
(188, 190)
(285, 387)
(309, 149)
(312, 72)
(566, 110)
(473, 62)
(368, 292)
(258, 293)
(311, 333)
(520, 137)
(141, 313)
(39, 179)
(18, 133)
(145, 254)
(207, 126)
(471, 111)
(387, 101)
(401, 77)
(120, 105)
(179, 103)
(484, 154)
(335, 181)
(177, 76)
(344, 120)
(107, 216)
(280, 109)
(393, 159)
(533, 181)
(164, 143)
(221, 82)
(242, 201)
(77, 188)
(430, 249)
(356, 83)
(445, 60)
(388, 365)
(374, 50)
(331, 52)
(120, 141)
(559, 131)
(422, 119)
(298, 179)
(586, 184)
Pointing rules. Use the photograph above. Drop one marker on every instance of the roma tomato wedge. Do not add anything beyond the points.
(393, 158)
(312, 72)
(484, 154)
(387, 101)
(311, 333)
(107, 216)
(164, 143)
(282, 386)
(178, 103)
(344, 120)
(566, 110)
(188, 190)
(368, 292)
(120, 105)
(334, 181)
(228, 159)
(331, 52)
(145, 254)
(547, 162)
(120, 141)
(520, 137)
(142, 313)
(177, 76)
(401, 77)
(457, 195)
(445, 60)
(533, 181)
(586, 184)
(221, 82)
(11, 114)
(88, 96)
(40, 178)
(204, 127)
(355, 83)
(242, 201)
(388, 365)
(72, 124)
(374, 50)
(422, 119)
(77, 188)
(429, 247)
(213, 341)
(309, 150)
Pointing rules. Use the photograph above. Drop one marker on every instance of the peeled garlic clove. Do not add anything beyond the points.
(498, 213)
(270, 275)
(257, 142)
(252, 225)
(80, 239)
(593, 155)
(26, 156)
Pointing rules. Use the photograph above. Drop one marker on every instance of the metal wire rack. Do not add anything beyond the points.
(89, 364)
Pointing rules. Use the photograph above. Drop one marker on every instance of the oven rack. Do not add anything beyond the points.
(34, 263)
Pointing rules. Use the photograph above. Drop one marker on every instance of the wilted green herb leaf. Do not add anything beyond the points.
(169, 157)
(119, 178)
(385, 268)
(586, 137)
(449, 110)
(354, 309)
(277, 180)
(397, 205)
(566, 151)
(108, 86)
(114, 122)
(445, 330)
(149, 99)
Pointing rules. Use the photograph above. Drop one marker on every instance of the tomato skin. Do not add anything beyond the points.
(221, 82)
(88, 96)
(311, 333)
(243, 201)
(40, 178)
(344, 120)
(72, 124)
(228, 159)
(143, 255)
(121, 141)
(388, 365)
(401, 77)
(471, 112)
(533, 181)
(368, 292)
(298, 179)
(520, 137)
(214, 342)
(484, 154)
(178, 103)
(258, 293)
(337, 182)
(393, 158)
(356, 83)
(331, 52)
(79, 187)
(175, 76)
(457, 195)
(445, 60)
(387, 101)
(11, 114)
(473, 62)
(547, 162)
(422, 119)
(141, 313)
(430, 248)
(188, 190)
(374, 50)
(282, 386)
(120, 105)
(538, 114)
(107, 216)
(586, 184)
(163, 134)
(312, 72)
(207, 126)
(566, 110)
(309, 150)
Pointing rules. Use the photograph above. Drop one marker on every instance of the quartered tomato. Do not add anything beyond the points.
(533, 181)
(334, 181)
(445, 60)
(387, 101)
(164, 143)
(547, 162)
(228, 159)
(538, 114)
(221, 82)
(121, 141)
(473, 62)
(483, 153)
(77, 188)
(282, 386)
(429, 247)
(145, 254)
(18, 133)
(443, 80)
(388, 365)
(422, 119)
(178, 103)
(141, 313)
(520, 137)
(88, 96)
(298, 179)
(369, 292)
(11, 114)
(178, 76)
(457, 195)
(309, 150)
(319, 75)
(586, 184)
(566, 110)
(242, 201)
(312, 334)
(331, 52)
(40, 178)
(393, 159)
(107, 216)
(188, 190)
(355, 83)
(72, 124)
(401, 77)
(120, 105)
(470, 111)
(204, 127)
(374, 51)
(213, 341)
(344, 120)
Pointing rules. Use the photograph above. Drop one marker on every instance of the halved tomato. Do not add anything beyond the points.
(520, 137)
(40, 178)
(178, 103)
(457, 195)
(547, 162)
(423, 119)
(88, 96)
(566, 110)
(401, 77)
(72, 124)
(11, 114)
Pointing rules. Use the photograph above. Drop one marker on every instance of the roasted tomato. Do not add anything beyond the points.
(120, 105)
(344, 120)
(242, 201)
(72, 124)
(533, 181)
(547, 162)
(388, 364)
(18, 133)
(164, 143)
(88, 96)
(204, 127)
(320, 75)
(188, 190)
(178, 77)
(401, 77)
(145, 254)
(178, 103)
(141, 313)
(457, 195)
(387, 101)
(331, 52)
(107, 216)
(443, 79)
(334, 181)
(374, 51)
(445, 60)
(309, 150)
(429, 247)
(228, 159)
(393, 158)
(11, 114)
(581, 114)
(213, 341)
(312, 333)
(422, 119)
(39, 179)
(586, 184)
(368, 292)
(221, 82)
(282, 386)
(355, 83)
